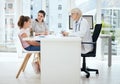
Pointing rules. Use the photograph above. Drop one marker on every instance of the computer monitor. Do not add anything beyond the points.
(89, 18)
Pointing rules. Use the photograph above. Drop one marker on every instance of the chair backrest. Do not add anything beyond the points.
(20, 43)
(18, 46)
(96, 35)
(23, 50)
(96, 32)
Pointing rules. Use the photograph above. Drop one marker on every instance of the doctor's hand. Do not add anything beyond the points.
(64, 33)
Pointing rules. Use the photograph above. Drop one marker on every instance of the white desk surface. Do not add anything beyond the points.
(105, 35)
(53, 38)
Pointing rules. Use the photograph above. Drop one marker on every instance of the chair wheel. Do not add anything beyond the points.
(88, 75)
(97, 72)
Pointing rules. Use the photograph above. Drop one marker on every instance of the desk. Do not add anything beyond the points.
(60, 60)
(102, 36)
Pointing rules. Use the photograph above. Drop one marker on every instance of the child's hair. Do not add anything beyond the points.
(23, 19)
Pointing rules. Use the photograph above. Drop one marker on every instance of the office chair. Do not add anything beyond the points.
(28, 55)
(92, 53)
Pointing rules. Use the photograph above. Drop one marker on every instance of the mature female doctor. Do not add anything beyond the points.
(81, 29)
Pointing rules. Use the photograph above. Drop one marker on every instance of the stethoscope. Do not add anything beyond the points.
(76, 23)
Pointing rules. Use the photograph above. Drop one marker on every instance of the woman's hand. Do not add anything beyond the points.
(42, 33)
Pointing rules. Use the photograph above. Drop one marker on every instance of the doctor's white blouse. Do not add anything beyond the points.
(81, 28)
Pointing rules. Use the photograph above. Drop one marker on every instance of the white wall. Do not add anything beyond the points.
(55, 17)
(98, 11)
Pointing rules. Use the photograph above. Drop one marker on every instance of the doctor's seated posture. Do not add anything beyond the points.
(81, 28)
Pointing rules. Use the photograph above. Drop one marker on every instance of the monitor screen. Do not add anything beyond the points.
(89, 18)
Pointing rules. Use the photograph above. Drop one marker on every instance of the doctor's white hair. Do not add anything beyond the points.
(76, 10)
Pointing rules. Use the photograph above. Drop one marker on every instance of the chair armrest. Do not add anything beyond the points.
(88, 42)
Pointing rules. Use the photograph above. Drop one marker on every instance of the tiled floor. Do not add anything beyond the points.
(10, 63)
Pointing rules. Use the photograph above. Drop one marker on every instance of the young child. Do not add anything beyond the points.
(24, 25)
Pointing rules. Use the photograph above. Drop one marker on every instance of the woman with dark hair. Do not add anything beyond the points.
(38, 25)
(24, 23)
